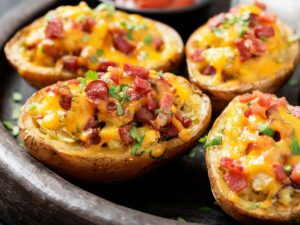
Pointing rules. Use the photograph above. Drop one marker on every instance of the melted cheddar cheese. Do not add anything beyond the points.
(131, 114)
(86, 40)
(258, 153)
(244, 45)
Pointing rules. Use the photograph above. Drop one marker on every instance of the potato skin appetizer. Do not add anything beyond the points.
(237, 52)
(115, 127)
(70, 40)
(252, 155)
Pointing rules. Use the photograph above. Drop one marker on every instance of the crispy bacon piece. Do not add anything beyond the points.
(125, 135)
(264, 31)
(164, 115)
(260, 5)
(136, 71)
(267, 18)
(94, 137)
(55, 28)
(144, 115)
(265, 100)
(168, 131)
(105, 64)
(70, 63)
(152, 105)
(166, 101)
(185, 121)
(111, 106)
(247, 98)
(133, 94)
(295, 175)
(64, 94)
(91, 123)
(50, 49)
(122, 44)
(208, 70)
(141, 86)
(96, 90)
(279, 172)
(87, 24)
(234, 175)
(197, 55)
(158, 43)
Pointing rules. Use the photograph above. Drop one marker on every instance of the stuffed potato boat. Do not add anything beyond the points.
(114, 127)
(253, 159)
(240, 51)
(70, 40)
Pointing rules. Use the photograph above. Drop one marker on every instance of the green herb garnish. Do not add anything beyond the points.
(204, 209)
(8, 124)
(287, 168)
(85, 38)
(108, 7)
(15, 131)
(263, 38)
(119, 92)
(100, 52)
(217, 140)
(180, 219)
(160, 73)
(17, 96)
(15, 113)
(295, 144)
(265, 130)
(203, 139)
(217, 31)
(94, 59)
(138, 140)
(293, 38)
(91, 75)
(148, 40)
(119, 109)
(82, 82)
(254, 206)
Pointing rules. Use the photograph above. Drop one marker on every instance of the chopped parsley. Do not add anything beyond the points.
(119, 109)
(148, 40)
(217, 31)
(91, 75)
(119, 92)
(109, 8)
(217, 140)
(17, 96)
(138, 138)
(265, 130)
(85, 38)
(203, 139)
(254, 206)
(82, 82)
(100, 52)
(132, 27)
(295, 144)
(160, 73)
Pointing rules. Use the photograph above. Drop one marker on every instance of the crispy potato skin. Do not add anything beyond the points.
(221, 97)
(102, 168)
(238, 213)
(39, 76)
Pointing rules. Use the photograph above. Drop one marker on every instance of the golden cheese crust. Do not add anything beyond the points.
(70, 40)
(241, 51)
(114, 128)
(253, 159)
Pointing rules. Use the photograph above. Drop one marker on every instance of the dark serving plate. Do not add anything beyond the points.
(32, 194)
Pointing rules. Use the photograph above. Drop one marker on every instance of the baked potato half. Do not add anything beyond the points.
(240, 51)
(70, 40)
(115, 127)
(252, 156)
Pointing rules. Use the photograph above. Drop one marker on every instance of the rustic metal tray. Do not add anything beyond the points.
(32, 194)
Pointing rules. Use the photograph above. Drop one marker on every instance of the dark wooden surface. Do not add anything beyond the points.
(31, 194)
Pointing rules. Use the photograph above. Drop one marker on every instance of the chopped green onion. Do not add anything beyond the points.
(15, 131)
(119, 109)
(217, 31)
(82, 82)
(148, 40)
(94, 59)
(265, 130)
(203, 139)
(217, 140)
(160, 73)
(8, 124)
(295, 144)
(100, 52)
(91, 75)
(263, 38)
(15, 113)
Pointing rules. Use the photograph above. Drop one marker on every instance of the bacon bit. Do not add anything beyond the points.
(50, 49)
(73, 82)
(105, 64)
(136, 71)
(65, 95)
(234, 174)
(158, 43)
(152, 105)
(70, 63)
(185, 121)
(247, 98)
(144, 115)
(91, 123)
(267, 18)
(208, 70)
(265, 100)
(134, 95)
(279, 172)
(169, 131)
(94, 137)
(115, 78)
(111, 106)
(166, 101)
(88, 24)
(248, 112)
(250, 146)
(161, 78)
(260, 5)
(295, 110)
(96, 90)
(295, 175)
(55, 28)
(141, 86)
(196, 56)
(164, 116)
(122, 45)
(125, 135)
(217, 20)
(264, 31)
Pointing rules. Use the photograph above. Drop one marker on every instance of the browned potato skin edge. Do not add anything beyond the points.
(221, 98)
(106, 169)
(238, 213)
(39, 76)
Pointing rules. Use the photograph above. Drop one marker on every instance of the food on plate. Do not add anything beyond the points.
(240, 51)
(253, 159)
(70, 40)
(113, 126)
(154, 4)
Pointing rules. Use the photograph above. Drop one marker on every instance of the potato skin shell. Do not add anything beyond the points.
(220, 98)
(244, 216)
(39, 76)
(103, 169)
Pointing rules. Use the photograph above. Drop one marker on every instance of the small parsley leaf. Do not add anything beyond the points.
(265, 130)
(217, 140)
(91, 75)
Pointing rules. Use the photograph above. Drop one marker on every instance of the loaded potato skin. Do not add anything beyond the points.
(252, 156)
(240, 51)
(70, 40)
(113, 126)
